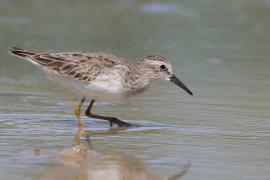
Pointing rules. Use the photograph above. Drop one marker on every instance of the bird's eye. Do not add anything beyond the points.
(162, 67)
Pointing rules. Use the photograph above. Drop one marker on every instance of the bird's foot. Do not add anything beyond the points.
(119, 122)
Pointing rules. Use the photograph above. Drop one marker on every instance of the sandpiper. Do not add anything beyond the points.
(101, 76)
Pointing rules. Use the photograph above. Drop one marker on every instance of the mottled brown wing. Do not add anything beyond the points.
(81, 66)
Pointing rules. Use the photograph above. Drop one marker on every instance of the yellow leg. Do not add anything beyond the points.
(78, 112)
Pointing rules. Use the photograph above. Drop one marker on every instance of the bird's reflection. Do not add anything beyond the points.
(82, 162)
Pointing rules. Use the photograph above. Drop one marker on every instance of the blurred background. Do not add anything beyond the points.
(220, 49)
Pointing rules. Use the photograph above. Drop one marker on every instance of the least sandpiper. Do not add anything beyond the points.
(101, 76)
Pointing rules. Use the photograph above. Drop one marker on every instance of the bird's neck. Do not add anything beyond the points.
(144, 75)
(140, 80)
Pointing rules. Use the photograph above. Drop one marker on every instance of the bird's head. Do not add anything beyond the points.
(156, 67)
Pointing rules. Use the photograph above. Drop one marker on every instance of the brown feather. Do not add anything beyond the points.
(20, 52)
(83, 66)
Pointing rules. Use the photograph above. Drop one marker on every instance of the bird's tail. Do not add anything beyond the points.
(21, 53)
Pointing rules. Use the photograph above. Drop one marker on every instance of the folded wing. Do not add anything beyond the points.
(83, 66)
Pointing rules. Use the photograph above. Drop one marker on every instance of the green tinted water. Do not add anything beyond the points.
(220, 49)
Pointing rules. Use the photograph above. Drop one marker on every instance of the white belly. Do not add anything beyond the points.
(103, 88)
(97, 89)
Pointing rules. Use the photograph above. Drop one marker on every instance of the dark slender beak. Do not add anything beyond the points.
(176, 81)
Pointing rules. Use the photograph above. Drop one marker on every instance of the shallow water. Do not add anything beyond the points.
(220, 49)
